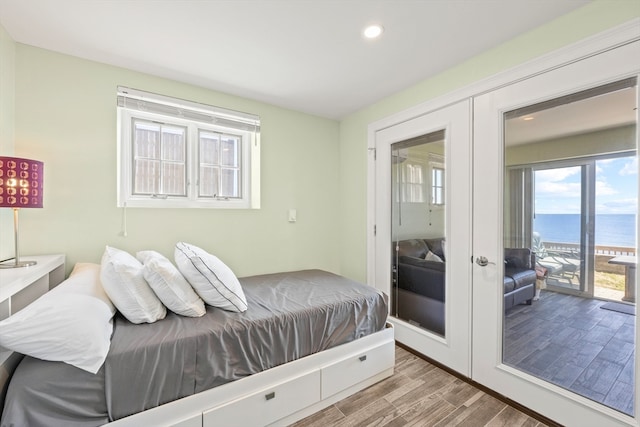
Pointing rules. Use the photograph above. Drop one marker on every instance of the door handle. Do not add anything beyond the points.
(483, 261)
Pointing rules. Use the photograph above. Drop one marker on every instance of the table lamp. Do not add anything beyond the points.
(20, 187)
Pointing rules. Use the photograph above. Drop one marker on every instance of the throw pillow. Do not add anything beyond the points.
(123, 281)
(211, 278)
(432, 257)
(436, 246)
(169, 285)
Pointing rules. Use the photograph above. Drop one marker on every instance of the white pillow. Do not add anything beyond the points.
(72, 323)
(123, 281)
(211, 278)
(430, 256)
(169, 285)
(85, 279)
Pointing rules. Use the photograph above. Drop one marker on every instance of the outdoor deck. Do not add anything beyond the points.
(609, 279)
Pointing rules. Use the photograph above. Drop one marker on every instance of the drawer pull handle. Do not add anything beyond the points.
(363, 358)
(270, 395)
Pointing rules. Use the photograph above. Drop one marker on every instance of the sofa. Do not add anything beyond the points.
(419, 279)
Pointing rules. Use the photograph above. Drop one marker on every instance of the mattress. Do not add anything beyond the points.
(290, 315)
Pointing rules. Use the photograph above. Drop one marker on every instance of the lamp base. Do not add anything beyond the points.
(19, 264)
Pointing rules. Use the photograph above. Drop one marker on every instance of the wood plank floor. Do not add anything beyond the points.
(573, 343)
(419, 394)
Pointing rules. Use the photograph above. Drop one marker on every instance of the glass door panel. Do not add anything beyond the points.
(418, 231)
(552, 201)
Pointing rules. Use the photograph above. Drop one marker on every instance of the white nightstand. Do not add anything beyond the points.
(21, 286)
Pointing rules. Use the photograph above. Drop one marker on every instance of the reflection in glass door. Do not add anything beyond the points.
(418, 231)
(558, 180)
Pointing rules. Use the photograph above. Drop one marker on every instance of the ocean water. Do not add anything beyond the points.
(611, 229)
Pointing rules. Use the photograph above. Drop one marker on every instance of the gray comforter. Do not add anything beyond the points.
(290, 315)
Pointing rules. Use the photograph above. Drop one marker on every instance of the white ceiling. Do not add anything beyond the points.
(306, 55)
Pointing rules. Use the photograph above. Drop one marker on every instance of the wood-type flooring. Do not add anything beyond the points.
(567, 340)
(419, 394)
(571, 342)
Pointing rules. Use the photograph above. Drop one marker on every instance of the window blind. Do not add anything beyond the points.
(134, 99)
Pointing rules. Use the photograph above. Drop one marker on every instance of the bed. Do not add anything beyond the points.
(308, 339)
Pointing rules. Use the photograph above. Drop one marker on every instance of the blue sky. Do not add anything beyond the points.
(558, 190)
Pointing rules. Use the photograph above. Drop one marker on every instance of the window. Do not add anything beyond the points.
(176, 153)
(159, 159)
(219, 165)
(437, 186)
(413, 182)
(436, 166)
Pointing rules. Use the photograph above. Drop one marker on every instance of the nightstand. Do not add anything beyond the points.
(21, 286)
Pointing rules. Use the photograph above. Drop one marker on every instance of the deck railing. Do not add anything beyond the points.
(599, 249)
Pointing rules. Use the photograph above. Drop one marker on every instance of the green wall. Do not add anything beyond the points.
(65, 115)
(575, 26)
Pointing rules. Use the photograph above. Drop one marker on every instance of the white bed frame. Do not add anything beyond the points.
(278, 396)
(284, 394)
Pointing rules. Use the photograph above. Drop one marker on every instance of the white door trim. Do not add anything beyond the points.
(619, 36)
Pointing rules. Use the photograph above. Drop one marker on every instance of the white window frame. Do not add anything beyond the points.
(131, 105)
(437, 162)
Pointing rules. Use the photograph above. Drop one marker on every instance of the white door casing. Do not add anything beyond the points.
(548, 400)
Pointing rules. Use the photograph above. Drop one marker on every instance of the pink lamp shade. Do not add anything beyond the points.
(21, 182)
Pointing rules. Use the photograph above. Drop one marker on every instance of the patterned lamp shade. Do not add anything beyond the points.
(21, 182)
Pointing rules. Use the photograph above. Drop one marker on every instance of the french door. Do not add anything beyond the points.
(422, 227)
(485, 204)
(576, 392)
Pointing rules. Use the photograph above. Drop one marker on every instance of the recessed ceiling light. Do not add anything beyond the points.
(528, 118)
(373, 31)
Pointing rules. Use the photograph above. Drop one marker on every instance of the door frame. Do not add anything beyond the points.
(602, 42)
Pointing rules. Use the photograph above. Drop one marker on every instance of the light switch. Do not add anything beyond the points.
(293, 215)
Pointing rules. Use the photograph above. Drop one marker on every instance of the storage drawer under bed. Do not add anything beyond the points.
(268, 405)
(355, 369)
